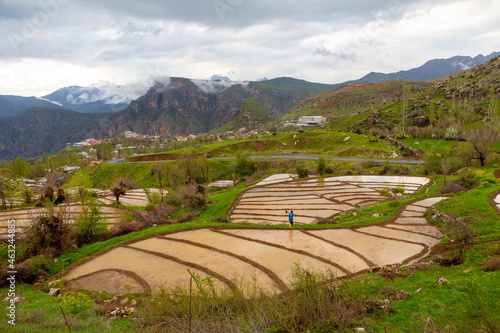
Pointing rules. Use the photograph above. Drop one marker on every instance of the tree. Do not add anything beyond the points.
(451, 133)
(244, 166)
(27, 195)
(120, 187)
(10, 194)
(49, 229)
(480, 143)
(404, 116)
(157, 171)
(3, 188)
(90, 225)
(321, 166)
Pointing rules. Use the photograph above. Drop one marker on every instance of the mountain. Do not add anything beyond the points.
(431, 70)
(251, 115)
(461, 100)
(13, 105)
(42, 129)
(90, 99)
(198, 106)
(219, 78)
(351, 99)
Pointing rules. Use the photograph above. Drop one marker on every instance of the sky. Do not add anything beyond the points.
(49, 44)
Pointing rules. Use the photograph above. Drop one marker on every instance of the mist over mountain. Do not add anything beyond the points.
(177, 106)
(11, 106)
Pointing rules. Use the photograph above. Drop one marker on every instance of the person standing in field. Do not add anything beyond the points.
(290, 218)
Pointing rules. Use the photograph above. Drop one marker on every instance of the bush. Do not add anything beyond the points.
(90, 225)
(451, 133)
(244, 167)
(156, 215)
(301, 171)
(49, 229)
(186, 217)
(189, 196)
(321, 166)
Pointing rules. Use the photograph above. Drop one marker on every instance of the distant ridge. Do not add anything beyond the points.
(431, 70)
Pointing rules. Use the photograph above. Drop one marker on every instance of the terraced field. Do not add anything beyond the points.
(266, 257)
(23, 216)
(313, 199)
(137, 197)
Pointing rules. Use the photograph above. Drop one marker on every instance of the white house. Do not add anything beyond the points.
(312, 120)
(130, 134)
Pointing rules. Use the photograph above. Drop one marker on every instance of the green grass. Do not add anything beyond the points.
(327, 143)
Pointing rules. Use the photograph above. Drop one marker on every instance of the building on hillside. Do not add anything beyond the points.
(312, 120)
(130, 134)
(181, 138)
(70, 169)
(91, 142)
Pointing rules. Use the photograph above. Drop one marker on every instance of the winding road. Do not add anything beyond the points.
(297, 157)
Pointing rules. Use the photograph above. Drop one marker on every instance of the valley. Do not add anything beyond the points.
(178, 217)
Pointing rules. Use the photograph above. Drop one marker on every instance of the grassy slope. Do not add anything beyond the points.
(351, 99)
(252, 114)
(325, 143)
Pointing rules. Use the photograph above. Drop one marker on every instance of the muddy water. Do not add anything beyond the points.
(111, 281)
(400, 235)
(422, 229)
(411, 220)
(155, 270)
(24, 216)
(224, 264)
(275, 259)
(378, 250)
(297, 240)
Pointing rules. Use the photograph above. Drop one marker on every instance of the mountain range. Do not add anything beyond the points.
(32, 126)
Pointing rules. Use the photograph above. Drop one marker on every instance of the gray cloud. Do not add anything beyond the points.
(319, 40)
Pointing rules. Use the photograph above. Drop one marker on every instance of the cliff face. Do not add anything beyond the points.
(40, 130)
(182, 107)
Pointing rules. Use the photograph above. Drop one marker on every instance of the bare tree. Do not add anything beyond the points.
(480, 143)
(157, 171)
(120, 187)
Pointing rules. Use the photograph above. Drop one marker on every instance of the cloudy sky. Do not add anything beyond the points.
(49, 44)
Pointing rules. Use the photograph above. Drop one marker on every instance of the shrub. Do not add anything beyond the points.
(49, 229)
(398, 189)
(90, 225)
(451, 133)
(301, 171)
(244, 167)
(321, 166)
(187, 217)
(189, 196)
(156, 215)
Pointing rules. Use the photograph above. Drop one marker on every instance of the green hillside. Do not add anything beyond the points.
(352, 99)
(251, 115)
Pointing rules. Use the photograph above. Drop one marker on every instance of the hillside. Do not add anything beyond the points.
(11, 106)
(431, 70)
(458, 100)
(189, 106)
(40, 130)
(89, 99)
(352, 99)
(251, 115)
